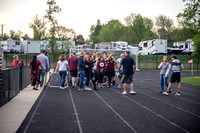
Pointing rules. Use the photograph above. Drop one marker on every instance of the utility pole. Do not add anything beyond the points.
(2, 31)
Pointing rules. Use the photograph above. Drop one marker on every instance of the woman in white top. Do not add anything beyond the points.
(62, 67)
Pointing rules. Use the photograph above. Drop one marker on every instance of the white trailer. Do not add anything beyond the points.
(120, 45)
(155, 46)
(11, 46)
(31, 47)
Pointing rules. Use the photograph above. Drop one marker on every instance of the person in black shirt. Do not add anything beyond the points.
(128, 70)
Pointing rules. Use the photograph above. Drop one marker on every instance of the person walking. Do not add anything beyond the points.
(35, 72)
(81, 66)
(16, 61)
(129, 67)
(100, 70)
(73, 67)
(120, 70)
(47, 69)
(164, 65)
(176, 67)
(44, 60)
(93, 71)
(62, 66)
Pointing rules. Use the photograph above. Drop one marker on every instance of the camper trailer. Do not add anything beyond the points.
(44, 45)
(120, 45)
(31, 47)
(182, 47)
(11, 46)
(155, 46)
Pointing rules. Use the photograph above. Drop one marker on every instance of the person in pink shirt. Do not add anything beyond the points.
(16, 61)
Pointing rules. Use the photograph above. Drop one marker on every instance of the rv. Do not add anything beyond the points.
(31, 47)
(155, 46)
(120, 45)
(104, 45)
(11, 46)
(182, 47)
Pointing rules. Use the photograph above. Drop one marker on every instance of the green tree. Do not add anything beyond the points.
(16, 35)
(39, 27)
(94, 32)
(190, 17)
(182, 34)
(165, 27)
(196, 45)
(26, 37)
(5, 37)
(52, 9)
(64, 33)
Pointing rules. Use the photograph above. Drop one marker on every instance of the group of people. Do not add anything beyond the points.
(98, 69)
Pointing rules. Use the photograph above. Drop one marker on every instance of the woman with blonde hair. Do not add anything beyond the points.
(16, 61)
(62, 67)
(164, 65)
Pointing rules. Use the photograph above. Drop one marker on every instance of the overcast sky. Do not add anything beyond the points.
(81, 14)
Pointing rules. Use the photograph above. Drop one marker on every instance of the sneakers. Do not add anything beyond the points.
(109, 86)
(132, 92)
(167, 93)
(65, 87)
(177, 94)
(88, 89)
(114, 87)
(119, 87)
(61, 88)
(81, 89)
(105, 84)
(124, 92)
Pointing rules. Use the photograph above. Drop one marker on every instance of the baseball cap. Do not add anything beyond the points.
(122, 54)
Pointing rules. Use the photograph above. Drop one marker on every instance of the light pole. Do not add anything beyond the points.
(2, 31)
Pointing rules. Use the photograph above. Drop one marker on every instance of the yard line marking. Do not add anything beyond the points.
(187, 111)
(54, 86)
(116, 113)
(34, 112)
(174, 124)
(75, 112)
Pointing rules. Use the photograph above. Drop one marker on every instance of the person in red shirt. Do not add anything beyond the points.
(73, 67)
(111, 70)
(105, 68)
(35, 72)
(16, 61)
(100, 69)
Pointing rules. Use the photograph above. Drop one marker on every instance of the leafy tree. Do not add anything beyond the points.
(94, 32)
(52, 9)
(39, 27)
(182, 34)
(5, 37)
(65, 46)
(26, 37)
(165, 27)
(129, 19)
(64, 33)
(196, 45)
(16, 35)
(190, 17)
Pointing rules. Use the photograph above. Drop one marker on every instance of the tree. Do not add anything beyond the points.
(94, 32)
(190, 17)
(65, 33)
(5, 37)
(129, 19)
(196, 45)
(39, 27)
(16, 35)
(182, 34)
(79, 39)
(52, 9)
(26, 37)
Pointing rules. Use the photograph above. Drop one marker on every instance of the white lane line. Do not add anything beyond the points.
(75, 112)
(54, 86)
(187, 111)
(34, 112)
(116, 113)
(174, 124)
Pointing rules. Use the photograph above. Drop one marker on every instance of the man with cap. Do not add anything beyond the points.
(120, 70)
(176, 67)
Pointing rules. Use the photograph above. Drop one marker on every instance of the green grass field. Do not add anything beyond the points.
(191, 80)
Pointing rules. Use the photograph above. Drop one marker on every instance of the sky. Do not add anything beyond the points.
(82, 14)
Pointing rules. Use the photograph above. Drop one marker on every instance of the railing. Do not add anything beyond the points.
(12, 81)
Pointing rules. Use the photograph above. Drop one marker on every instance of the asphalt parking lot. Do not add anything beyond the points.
(108, 111)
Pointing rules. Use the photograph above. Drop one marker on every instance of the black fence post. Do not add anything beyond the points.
(20, 78)
(9, 85)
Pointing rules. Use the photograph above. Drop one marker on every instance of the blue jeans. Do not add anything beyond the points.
(42, 77)
(70, 79)
(88, 77)
(62, 75)
(82, 76)
(162, 80)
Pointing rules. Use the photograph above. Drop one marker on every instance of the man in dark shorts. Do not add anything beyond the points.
(176, 67)
(73, 66)
(127, 77)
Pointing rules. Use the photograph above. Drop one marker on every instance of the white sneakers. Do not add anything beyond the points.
(62, 88)
(131, 92)
(88, 89)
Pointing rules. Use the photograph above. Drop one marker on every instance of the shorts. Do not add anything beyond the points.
(105, 73)
(111, 73)
(176, 77)
(127, 79)
(74, 73)
(120, 74)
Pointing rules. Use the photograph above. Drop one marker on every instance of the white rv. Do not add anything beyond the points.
(44, 45)
(31, 47)
(11, 46)
(155, 46)
(120, 45)
(104, 45)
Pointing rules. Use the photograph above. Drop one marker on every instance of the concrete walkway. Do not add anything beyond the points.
(14, 112)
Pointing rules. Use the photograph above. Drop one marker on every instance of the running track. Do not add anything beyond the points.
(108, 111)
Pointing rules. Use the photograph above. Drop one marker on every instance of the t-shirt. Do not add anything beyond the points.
(118, 62)
(100, 65)
(128, 63)
(106, 65)
(63, 65)
(38, 63)
(44, 60)
(111, 65)
(73, 63)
